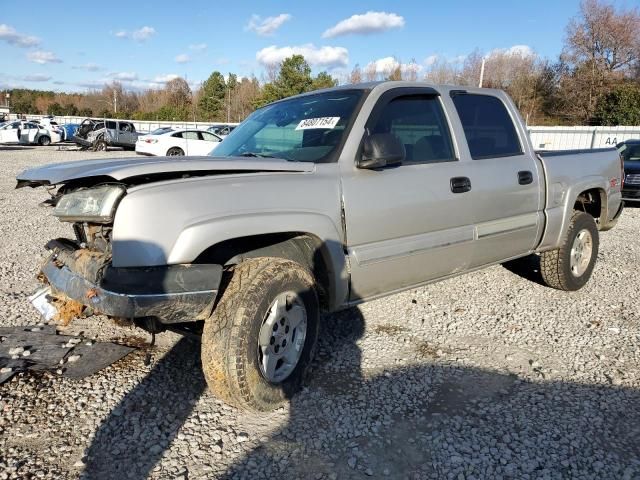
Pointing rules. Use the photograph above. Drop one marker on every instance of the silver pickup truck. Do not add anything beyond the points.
(313, 204)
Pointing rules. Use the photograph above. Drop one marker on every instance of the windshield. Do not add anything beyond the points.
(303, 129)
(630, 152)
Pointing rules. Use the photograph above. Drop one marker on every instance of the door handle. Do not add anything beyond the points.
(460, 184)
(525, 177)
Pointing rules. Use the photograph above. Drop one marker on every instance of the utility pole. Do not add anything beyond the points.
(228, 103)
(115, 101)
(481, 73)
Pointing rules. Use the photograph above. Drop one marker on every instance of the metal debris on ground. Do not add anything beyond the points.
(40, 348)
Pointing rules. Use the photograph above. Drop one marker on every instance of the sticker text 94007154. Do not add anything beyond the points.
(320, 122)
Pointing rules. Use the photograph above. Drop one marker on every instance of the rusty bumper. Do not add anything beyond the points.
(171, 293)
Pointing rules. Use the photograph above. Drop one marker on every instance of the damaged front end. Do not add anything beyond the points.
(80, 279)
(169, 293)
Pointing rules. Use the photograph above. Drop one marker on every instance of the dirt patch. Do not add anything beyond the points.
(389, 329)
(431, 350)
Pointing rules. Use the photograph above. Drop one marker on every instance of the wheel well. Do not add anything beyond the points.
(594, 203)
(304, 248)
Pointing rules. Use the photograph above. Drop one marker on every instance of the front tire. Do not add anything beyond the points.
(258, 344)
(100, 146)
(570, 266)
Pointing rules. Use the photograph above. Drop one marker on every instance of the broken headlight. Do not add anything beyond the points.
(92, 205)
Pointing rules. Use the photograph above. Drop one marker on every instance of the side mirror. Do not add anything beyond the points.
(381, 150)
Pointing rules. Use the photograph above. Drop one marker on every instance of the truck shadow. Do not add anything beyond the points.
(526, 267)
(431, 419)
(133, 438)
(438, 420)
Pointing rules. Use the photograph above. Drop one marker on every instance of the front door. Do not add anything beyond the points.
(405, 225)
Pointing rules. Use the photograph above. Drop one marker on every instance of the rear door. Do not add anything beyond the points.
(192, 142)
(405, 225)
(209, 142)
(506, 178)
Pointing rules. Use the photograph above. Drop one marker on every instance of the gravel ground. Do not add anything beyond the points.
(489, 375)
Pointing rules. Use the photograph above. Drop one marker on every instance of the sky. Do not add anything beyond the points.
(75, 46)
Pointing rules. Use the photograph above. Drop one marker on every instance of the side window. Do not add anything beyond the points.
(209, 137)
(177, 135)
(487, 125)
(124, 127)
(190, 135)
(111, 125)
(419, 123)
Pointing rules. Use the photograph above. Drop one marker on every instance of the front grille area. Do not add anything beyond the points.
(632, 179)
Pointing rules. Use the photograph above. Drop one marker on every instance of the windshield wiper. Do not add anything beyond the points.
(254, 154)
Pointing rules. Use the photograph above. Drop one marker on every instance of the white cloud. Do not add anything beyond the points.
(523, 51)
(328, 57)
(9, 35)
(198, 47)
(370, 22)
(165, 78)
(183, 58)
(42, 57)
(268, 26)
(143, 33)
(140, 35)
(124, 76)
(38, 77)
(89, 67)
(389, 64)
(431, 59)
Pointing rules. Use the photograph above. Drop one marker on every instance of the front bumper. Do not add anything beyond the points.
(170, 293)
(631, 193)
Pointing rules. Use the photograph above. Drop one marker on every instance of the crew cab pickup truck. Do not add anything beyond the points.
(313, 204)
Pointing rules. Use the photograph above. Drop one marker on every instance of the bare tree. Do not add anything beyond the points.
(602, 47)
(371, 72)
(356, 75)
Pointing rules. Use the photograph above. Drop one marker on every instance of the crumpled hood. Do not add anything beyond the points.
(123, 168)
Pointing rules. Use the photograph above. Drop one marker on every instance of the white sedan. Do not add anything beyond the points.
(27, 133)
(183, 141)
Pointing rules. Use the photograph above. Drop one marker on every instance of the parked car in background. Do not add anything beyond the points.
(177, 142)
(221, 130)
(68, 131)
(630, 153)
(98, 134)
(317, 203)
(27, 133)
(50, 124)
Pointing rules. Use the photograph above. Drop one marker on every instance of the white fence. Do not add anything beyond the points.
(543, 138)
(567, 138)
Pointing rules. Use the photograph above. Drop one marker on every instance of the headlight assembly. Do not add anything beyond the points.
(92, 205)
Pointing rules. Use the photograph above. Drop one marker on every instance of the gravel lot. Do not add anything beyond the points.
(489, 375)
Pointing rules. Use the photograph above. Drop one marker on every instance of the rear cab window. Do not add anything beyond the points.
(487, 125)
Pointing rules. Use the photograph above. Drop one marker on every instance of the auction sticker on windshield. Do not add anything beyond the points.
(320, 122)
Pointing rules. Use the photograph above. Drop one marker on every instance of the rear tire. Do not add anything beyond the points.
(234, 341)
(44, 141)
(570, 266)
(175, 152)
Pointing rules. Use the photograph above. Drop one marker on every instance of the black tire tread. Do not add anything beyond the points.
(221, 359)
(553, 262)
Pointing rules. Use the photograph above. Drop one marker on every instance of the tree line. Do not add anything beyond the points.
(595, 80)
